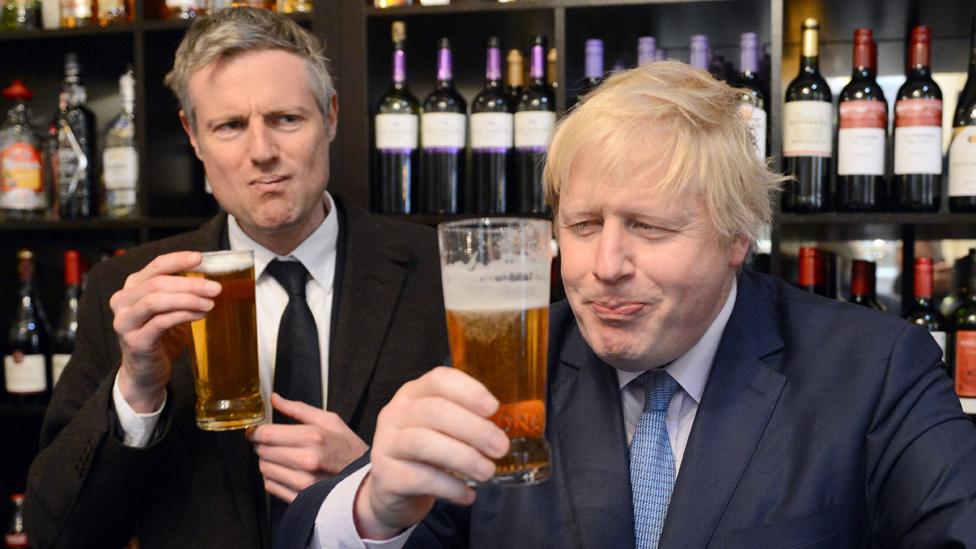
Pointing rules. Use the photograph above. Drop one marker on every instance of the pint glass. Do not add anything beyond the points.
(495, 274)
(225, 346)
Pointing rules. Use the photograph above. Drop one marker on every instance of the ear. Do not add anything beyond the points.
(737, 251)
(332, 119)
(185, 122)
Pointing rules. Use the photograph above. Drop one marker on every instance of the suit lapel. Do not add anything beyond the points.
(742, 390)
(589, 440)
(371, 281)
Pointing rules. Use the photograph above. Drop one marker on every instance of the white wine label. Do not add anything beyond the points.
(756, 122)
(178, 4)
(940, 338)
(124, 197)
(918, 149)
(860, 151)
(443, 130)
(962, 162)
(533, 129)
(121, 165)
(26, 376)
(397, 131)
(58, 362)
(491, 130)
(807, 129)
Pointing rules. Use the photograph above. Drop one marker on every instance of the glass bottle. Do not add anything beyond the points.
(294, 6)
(185, 9)
(646, 48)
(20, 15)
(964, 328)
(25, 358)
(592, 68)
(77, 162)
(443, 137)
(16, 536)
(397, 125)
(77, 13)
(23, 192)
(114, 12)
(863, 284)
(962, 152)
(753, 98)
(535, 118)
(514, 74)
(922, 310)
(63, 342)
(120, 161)
(491, 138)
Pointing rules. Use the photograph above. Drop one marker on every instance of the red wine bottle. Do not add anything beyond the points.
(863, 284)
(592, 68)
(397, 124)
(491, 138)
(962, 152)
(443, 136)
(917, 180)
(807, 133)
(812, 273)
(25, 361)
(753, 98)
(922, 310)
(535, 118)
(63, 341)
(964, 335)
(863, 114)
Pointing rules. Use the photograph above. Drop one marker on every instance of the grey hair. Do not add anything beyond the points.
(234, 31)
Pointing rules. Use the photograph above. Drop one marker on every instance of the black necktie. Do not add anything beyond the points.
(298, 370)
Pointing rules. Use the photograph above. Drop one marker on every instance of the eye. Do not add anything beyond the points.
(287, 120)
(584, 228)
(229, 126)
(651, 230)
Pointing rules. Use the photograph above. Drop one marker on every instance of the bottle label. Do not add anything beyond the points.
(181, 4)
(16, 541)
(491, 130)
(79, 9)
(533, 129)
(861, 138)
(966, 363)
(22, 184)
(397, 132)
(807, 129)
(24, 374)
(121, 198)
(108, 8)
(918, 136)
(940, 338)
(443, 130)
(58, 362)
(121, 166)
(962, 162)
(756, 122)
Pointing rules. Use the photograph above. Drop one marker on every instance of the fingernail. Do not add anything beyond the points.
(212, 287)
(487, 470)
(206, 304)
(499, 442)
(489, 405)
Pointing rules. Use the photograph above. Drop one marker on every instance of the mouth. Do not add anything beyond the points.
(617, 310)
(269, 181)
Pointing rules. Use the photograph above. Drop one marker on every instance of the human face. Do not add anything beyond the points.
(264, 144)
(645, 275)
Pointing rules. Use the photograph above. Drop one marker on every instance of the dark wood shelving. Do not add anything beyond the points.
(476, 6)
(43, 34)
(22, 411)
(434, 219)
(886, 218)
(93, 224)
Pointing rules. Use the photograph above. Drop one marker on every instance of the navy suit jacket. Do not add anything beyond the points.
(822, 424)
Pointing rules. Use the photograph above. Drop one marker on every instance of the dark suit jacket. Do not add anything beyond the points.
(822, 424)
(192, 488)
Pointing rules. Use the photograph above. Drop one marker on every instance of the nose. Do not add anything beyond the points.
(614, 258)
(263, 148)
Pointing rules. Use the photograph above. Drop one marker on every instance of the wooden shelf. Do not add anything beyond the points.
(93, 224)
(44, 34)
(886, 218)
(434, 219)
(482, 6)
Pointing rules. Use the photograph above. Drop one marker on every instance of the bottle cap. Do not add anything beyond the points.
(17, 91)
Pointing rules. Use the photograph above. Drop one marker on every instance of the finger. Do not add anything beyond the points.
(291, 479)
(417, 479)
(302, 412)
(305, 459)
(171, 263)
(456, 422)
(147, 338)
(453, 385)
(281, 492)
(154, 305)
(281, 434)
(441, 451)
(165, 285)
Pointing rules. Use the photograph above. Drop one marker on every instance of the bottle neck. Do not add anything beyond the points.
(862, 283)
(749, 60)
(922, 285)
(19, 113)
(445, 73)
(919, 58)
(864, 64)
(399, 67)
(493, 67)
(537, 68)
(810, 65)
(594, 64)
(810, 51)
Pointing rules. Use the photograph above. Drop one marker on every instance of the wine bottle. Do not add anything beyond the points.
(964, 336)
(25, 358)
(397, 125)
(514, 74)
(646, 48)
(917, 181)
(699, 56)
(23, 192)
(120, 175)
(535, 117)
(960, 286)
(863, 284)
(443, 134)
(812, 273)
(593, 68)
(922, 310)
(863, 114)
(962, 152)
(753, 98)
(807, 133)
(77, 162)
(63, 342)
(16, 535)
(492, 128)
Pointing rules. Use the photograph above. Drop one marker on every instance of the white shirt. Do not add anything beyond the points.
(317, 254)
(334, 524)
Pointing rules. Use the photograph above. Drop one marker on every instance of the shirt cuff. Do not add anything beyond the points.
(335, 526)
(137, 428)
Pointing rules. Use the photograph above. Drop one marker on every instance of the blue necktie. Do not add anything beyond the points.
(651, 460)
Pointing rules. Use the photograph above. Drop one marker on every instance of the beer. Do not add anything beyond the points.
(225, 346)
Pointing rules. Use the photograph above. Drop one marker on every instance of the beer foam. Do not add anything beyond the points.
(224, 262)
(485, 288)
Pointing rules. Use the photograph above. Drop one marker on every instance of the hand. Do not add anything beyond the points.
(293, 457)
(434, 427)
(151, 312)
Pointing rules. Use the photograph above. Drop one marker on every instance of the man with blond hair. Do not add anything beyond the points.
(348, 308)
(691, 403)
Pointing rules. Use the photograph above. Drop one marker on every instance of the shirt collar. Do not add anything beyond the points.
(316, 253)
(691, 369)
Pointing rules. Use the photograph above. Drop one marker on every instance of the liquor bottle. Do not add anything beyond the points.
(63, 341)
(812, 273)
(646, 48)
(397, 125)
(120, 161)
(592, 68)
(917, 181)
(295, 6)
(23, 193)
(514, 74)
(25, 358)
(16, 535)
(863, 284)
(964, 336)
(922, 310)
(863, 114)
(753, 98)
(552, 68)
(185, 9)
(77, 166)
(807, 133)
(699, 56)
(21, 15)
(443, 134)
(962, 151)
(114, 12)
(535, 117)
(51, 14)
(492, 127)
(77, 13)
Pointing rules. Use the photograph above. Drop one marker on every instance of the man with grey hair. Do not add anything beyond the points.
(348, 308)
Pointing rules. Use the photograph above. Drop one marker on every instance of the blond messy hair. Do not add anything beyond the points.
(692, 123)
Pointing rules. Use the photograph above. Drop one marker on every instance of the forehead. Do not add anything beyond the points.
(264, 76)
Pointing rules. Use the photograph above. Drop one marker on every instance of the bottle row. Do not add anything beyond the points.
(862, 138)
(16, 537)
(58, 173)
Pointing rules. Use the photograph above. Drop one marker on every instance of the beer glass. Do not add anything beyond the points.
(495, 275)
(225, 346)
